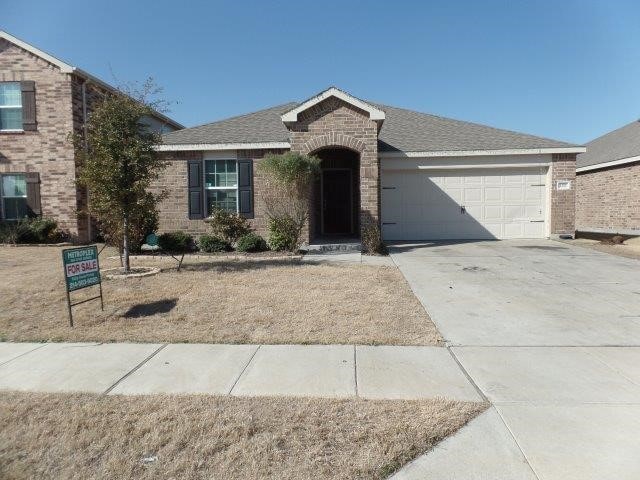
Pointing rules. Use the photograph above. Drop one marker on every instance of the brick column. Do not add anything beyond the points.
(563, 202)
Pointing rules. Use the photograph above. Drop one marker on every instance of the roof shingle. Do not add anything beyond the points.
(621, 143)
(403, 130)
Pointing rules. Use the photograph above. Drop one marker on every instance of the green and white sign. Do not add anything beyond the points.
(81, 267)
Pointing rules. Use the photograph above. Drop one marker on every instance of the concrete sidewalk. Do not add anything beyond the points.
(383, 372)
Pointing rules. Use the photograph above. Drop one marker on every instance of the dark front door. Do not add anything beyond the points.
(337, 202)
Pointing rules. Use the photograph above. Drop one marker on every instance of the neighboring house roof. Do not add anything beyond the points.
(67, 68)
(402, 131)
(614, 148)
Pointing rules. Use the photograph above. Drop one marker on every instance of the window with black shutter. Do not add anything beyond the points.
(194, 178)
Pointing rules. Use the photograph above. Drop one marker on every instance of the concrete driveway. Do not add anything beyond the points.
(525, 292)
(550, 334)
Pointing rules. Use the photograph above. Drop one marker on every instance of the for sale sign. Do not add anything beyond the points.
(81, 268)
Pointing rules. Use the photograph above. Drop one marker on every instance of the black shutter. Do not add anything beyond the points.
(245, 188)
(196, 192)
(33, 193)
(28, 105)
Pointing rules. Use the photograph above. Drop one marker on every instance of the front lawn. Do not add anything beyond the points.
(78, 436)
(214, 301)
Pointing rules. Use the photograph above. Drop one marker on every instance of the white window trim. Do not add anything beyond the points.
(12, 130)
(204, 183)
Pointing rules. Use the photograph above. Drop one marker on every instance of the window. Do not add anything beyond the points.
(10, 106)
(14, 197)
(221, 185)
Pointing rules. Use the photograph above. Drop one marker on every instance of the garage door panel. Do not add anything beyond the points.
(472, 194)
(493, 194)
(499, 203)
(493, 212)
(513, 194)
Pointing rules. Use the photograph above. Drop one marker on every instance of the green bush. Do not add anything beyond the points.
(251, 242)
(31, 230)
(210, 244)
(228, 226)
(178, 242)
(372, 240)
(284, 234)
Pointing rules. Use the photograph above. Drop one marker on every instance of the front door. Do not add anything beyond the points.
(337, 201)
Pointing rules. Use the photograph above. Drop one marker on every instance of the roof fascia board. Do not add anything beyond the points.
(374, 113)
(221, 146)
(474, 153)
(613, 163)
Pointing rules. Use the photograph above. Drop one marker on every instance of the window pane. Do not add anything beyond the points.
(223, 199)
(10, 94)
(15, 208)
(220, 173)
(10, 118)
(14, 186)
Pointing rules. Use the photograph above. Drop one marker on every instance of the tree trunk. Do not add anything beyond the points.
(125, 244)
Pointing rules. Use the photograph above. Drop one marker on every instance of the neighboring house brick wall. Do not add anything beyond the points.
(334, 123)
(563, 202)
(609, 199)
(47, 150)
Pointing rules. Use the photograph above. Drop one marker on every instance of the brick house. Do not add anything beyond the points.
(419, 176)
(608, 183)
(42, 101)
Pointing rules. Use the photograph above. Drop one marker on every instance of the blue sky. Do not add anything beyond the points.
(567, 69)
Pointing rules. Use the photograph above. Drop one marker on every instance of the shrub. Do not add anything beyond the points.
(287, 180)
(31, 230)
(210, 244)
(251, 242)
(178, 242)
(372, 240)
(284, 234)
(228, 226)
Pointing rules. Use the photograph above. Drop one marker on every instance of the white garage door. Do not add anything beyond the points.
(464, 204)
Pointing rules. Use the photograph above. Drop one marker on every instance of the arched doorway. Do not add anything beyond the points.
(336, 194)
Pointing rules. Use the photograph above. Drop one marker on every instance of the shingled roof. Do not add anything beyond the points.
(402, 131)
(617, 145)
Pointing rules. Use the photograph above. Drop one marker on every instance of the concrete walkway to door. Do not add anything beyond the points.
(550, 334)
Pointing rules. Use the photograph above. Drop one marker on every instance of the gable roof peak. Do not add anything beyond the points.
(374, 112)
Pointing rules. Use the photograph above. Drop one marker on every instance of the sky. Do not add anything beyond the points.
(563, 69)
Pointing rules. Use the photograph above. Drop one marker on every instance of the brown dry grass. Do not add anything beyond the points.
(79, 436)
(214, 301)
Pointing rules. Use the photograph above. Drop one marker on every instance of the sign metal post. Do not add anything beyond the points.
(81, 270)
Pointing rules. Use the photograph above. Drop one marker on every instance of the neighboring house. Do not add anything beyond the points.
(608, 183)
(419, 176)
(42, 101)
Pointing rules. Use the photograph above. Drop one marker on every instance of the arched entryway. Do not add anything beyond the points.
(336, 195)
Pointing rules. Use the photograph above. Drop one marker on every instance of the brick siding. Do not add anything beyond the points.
(47, 150)
(609, 199)
(335, 123)
(563, 202)
(175, 207)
